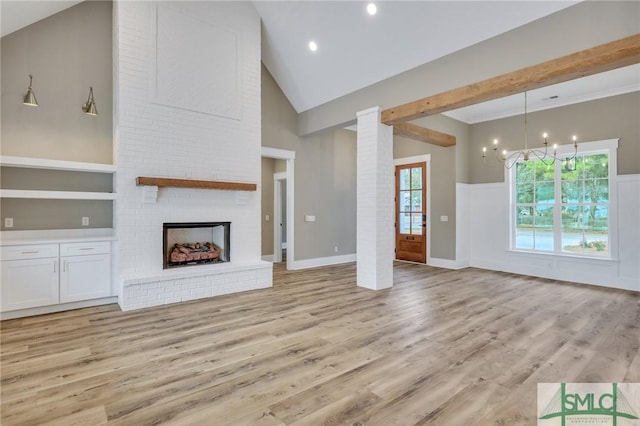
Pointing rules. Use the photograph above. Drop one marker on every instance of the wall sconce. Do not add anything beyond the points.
(89, 107)
(30, 98)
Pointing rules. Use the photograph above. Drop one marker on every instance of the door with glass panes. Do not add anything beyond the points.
(411, 212)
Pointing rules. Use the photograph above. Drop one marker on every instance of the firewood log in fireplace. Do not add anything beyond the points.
(193, 252)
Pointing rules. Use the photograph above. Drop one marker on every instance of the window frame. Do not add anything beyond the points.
(608, 146)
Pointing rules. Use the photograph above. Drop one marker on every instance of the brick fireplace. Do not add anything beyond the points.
(165, 132)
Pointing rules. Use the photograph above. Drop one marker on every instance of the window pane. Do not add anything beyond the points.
(601, 221)
(596, 218)
(416, 178)
(570, 168)
(544, 171)
(572, 228)
(524, 216)
(416, 201)
(524, 193)
(524, 172)
(543, 228)
(404, 179)
(544, 192)
(585, 230)
(572, 219)
(596, 190)
(405, 223)
(572, 192)
(405, 201)
(416, 223)
(524, 227)
(596, 166)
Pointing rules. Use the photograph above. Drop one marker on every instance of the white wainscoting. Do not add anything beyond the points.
(489, 241)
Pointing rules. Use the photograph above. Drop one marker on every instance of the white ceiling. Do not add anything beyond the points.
(356, 50)
(611, 83)
(18, 14)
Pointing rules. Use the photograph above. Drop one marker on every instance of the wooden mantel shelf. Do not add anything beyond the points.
(190, 183)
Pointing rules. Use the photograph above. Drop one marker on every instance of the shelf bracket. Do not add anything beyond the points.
(149, 194)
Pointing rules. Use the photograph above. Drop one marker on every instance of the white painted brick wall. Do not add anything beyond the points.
(375, 192)
(161, 140)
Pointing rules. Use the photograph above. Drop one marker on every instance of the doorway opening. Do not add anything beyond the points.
(286, 193)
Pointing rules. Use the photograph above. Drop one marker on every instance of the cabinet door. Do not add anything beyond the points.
(85, 277)
(29, 283)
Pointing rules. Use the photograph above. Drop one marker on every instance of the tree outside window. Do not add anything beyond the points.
(563, 206)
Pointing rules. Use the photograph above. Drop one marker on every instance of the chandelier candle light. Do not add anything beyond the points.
(509, 159)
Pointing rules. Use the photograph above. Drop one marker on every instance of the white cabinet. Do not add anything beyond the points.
(87, 274)
(41, 275)
(29, 283)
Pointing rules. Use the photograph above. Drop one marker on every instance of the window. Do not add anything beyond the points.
(534, 206)
(564, 206)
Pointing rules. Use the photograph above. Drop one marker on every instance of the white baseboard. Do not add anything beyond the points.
(629, 284)
(268, 258)
(323, 261)
(41, 310)
(447, 263)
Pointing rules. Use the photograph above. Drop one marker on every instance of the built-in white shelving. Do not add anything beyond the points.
(46, 164)
(43, 163)
(56, 195)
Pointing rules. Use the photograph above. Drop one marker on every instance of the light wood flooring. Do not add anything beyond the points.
(441, 347)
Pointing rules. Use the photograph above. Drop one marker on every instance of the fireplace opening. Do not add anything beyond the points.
(195, 243)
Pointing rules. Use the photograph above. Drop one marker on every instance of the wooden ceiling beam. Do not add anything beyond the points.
(606, 57)
(422, 134)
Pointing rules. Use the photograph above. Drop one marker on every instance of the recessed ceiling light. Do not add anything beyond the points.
(313, 46)
(372, 9)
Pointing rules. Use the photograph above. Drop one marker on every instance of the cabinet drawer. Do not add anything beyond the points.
(79, 249)
(36, 251)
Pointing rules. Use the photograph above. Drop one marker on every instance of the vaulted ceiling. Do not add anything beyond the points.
(356, 49)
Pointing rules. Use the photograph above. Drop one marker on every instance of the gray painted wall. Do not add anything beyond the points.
(608, 118)
(448, 166)
(32, 214)
(66, 53)
(325, 184)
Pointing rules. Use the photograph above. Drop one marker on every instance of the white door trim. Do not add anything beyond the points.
(277, 215)
(289, 156)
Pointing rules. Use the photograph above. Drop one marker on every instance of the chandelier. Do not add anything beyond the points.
(510, 158)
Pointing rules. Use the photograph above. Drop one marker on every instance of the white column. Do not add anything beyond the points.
(375, 192)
